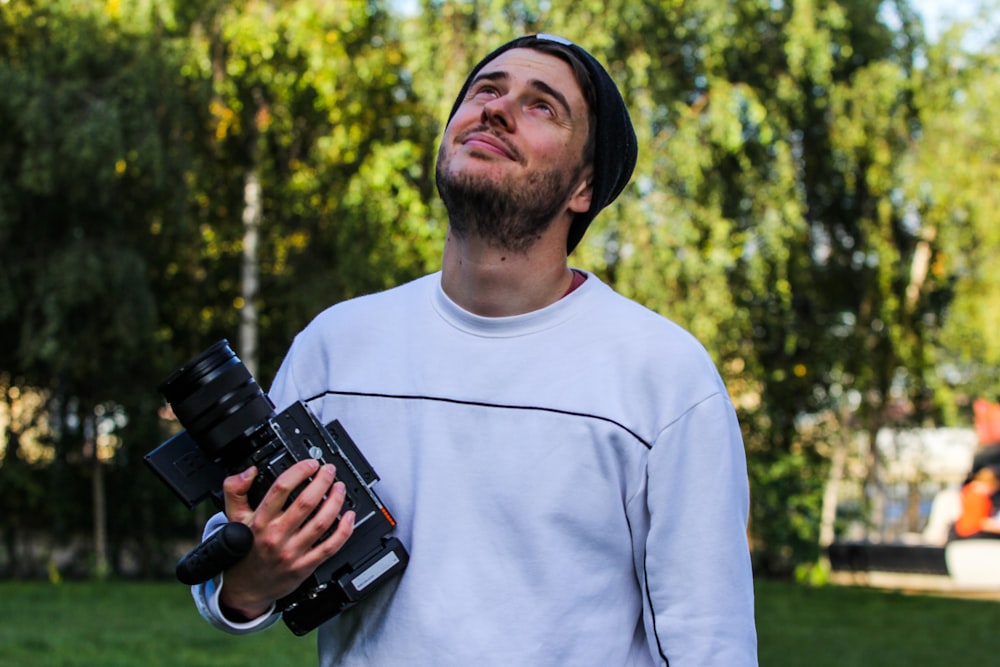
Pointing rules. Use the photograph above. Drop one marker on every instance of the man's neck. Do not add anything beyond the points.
(492, 282)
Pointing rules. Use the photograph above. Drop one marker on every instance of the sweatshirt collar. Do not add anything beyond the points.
(515, 325)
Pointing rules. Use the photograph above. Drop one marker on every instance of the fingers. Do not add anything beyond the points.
(235, 489)
(311, 495)
(298, 525)
(273, 505)
(317, 525)
(313, 512)
(287, 540)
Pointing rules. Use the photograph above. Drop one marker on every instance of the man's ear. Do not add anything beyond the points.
(582, 197)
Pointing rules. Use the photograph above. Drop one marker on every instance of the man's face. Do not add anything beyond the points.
(511, 159)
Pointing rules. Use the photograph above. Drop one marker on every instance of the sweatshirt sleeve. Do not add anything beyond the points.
(695, 560)
(206, 597)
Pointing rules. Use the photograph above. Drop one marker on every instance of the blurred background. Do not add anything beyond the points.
(816, 199)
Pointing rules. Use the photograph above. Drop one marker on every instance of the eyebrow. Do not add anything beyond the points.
(534, 83)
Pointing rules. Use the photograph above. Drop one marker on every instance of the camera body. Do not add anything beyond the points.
(230, 425)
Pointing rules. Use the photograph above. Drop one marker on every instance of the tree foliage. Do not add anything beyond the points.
(89, 161)
(814, 199)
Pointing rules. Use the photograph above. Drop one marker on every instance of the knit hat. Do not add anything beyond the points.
(614, 140)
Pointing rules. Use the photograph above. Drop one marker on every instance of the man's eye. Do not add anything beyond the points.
(487, 90)
(545, 107)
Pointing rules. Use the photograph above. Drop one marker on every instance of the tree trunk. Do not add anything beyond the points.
(101, 567)
(831, 494)
(249, 270)
(875, 489)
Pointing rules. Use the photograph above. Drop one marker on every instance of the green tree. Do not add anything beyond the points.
(311, 135)
(90, 156)
(951, 199)
(814, 199)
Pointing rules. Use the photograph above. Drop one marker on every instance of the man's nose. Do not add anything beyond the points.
(497, 113)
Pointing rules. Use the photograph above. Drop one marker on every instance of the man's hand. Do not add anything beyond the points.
(285, 550)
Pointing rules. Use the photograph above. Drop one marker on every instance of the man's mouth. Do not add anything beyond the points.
(490, 143)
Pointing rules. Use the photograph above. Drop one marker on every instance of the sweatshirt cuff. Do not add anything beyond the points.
(206, 597)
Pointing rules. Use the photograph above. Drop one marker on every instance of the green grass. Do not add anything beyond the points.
(128, 625)
(155, 625)
(834, 626)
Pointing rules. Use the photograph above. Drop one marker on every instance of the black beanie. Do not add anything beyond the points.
(614, 139)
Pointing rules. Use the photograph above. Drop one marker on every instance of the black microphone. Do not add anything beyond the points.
(223, 548)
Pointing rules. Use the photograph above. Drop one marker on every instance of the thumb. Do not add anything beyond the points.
(235, 489)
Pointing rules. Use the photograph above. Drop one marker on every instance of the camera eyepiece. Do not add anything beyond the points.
(217, 400)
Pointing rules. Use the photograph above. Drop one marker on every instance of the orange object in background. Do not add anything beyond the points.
(987, 421)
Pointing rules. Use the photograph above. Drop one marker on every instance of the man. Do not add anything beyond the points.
(565, 466)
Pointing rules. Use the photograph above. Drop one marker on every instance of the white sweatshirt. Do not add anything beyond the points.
(570, 483)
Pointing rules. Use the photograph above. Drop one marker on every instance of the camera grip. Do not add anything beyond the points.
(225, 547)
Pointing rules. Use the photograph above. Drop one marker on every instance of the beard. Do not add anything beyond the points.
(506, 214)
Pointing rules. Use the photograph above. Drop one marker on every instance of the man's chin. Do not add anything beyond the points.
(480, 178)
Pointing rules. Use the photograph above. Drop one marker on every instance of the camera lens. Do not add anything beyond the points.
(218, 401)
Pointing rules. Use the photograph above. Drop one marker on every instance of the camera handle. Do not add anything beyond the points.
(223, 548)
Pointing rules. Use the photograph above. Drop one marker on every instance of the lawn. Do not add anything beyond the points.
(155, 625)
(128, 625)
(834, 626)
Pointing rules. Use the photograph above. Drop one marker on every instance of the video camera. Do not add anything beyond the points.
(230, 425)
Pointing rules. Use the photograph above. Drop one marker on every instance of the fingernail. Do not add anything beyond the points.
(248, 473)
